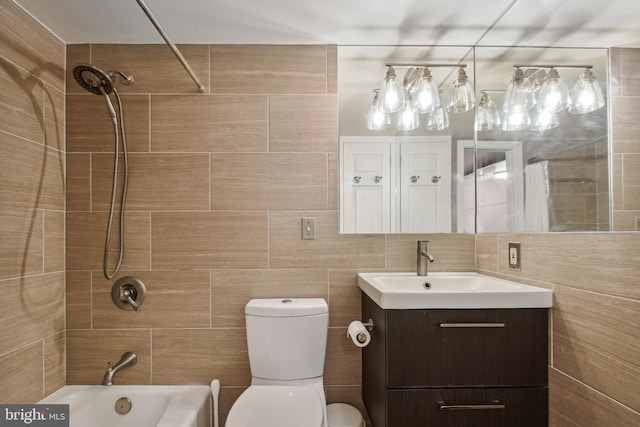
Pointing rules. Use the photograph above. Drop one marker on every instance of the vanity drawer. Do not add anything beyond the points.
(480, 407)
(466, 348)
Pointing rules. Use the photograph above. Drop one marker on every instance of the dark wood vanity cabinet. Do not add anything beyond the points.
(462, 368)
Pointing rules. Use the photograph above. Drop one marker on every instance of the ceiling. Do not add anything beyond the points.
(576, 23)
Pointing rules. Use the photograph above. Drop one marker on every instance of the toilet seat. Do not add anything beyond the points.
(276, 406)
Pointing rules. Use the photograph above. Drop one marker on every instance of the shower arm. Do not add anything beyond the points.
(171, 45)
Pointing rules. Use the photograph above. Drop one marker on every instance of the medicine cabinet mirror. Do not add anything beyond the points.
(466, 178)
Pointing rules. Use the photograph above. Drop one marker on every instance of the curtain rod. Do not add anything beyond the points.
(173, 47)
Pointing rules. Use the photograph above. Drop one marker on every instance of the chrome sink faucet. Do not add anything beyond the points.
(423, 257)
(127, 360)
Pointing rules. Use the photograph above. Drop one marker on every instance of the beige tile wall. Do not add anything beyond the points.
(595, 340)
(219, 183)
(625, 103)
(32, 261)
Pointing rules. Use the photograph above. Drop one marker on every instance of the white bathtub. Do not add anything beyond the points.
(151, 405)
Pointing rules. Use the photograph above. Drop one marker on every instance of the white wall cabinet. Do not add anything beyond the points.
(395, 184)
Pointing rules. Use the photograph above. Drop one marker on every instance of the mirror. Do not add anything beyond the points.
(459, 180)
(418, 189)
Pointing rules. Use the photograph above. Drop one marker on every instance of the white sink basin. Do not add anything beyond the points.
(450, 290)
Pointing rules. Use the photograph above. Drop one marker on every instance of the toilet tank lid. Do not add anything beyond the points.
(286, 307)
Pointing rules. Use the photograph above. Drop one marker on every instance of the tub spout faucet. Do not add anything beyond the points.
(127, 360)
(423, 257)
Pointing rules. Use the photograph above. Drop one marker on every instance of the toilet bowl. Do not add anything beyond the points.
(277, 406)
(287, 340)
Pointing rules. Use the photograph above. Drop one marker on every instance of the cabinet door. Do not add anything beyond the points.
(466, 348)
(483, 407)
(366, 187)
(425, 186)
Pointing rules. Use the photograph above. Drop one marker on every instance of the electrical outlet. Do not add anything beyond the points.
(514, 256)
(308, 229)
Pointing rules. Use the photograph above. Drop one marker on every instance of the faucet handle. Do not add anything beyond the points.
(127, 296)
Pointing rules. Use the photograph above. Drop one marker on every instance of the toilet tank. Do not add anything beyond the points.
(287, 337)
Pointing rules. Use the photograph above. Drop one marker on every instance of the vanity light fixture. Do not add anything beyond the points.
(538, 86)
(489, 117)
(553, 94)
(418, 94)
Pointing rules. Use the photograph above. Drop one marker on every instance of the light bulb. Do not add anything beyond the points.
(516, 121)
(586, 94)
(437, 119)
(376, 119)
(487, 115)
(461, 97)
(554, 95)
(519, 96)
(545, 121)
(407, 119)
(426, 97)
(391, 97)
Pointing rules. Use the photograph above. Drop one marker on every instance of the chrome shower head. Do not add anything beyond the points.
(93, 79)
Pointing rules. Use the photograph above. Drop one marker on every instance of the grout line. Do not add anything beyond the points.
(149, 128)
(150, 242)
(150, 355)
(210, 299)
(44, 368)
(91, 300)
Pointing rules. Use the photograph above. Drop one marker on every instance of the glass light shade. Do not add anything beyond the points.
(487, 114)
(376, 119)
(554, 94)
(545, 121)
(407, 119)
(516, 121)
(426, 97)
(461, 97)
(391, 97)
(586, 95)
(438, 119)
(519, 96)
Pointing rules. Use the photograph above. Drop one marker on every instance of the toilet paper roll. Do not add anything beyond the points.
(358, 333)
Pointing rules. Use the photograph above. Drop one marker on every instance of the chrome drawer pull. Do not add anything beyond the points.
(444, 407)
(473, 325)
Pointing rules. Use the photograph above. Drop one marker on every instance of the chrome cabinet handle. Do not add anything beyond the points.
(356, 179)
(414, 178)
(435, 179)
(486, 406)
(377, 179)
(473, 325)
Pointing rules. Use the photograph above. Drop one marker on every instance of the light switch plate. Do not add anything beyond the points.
(308, 228)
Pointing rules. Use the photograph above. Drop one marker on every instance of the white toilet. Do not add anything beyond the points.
(287, 340)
